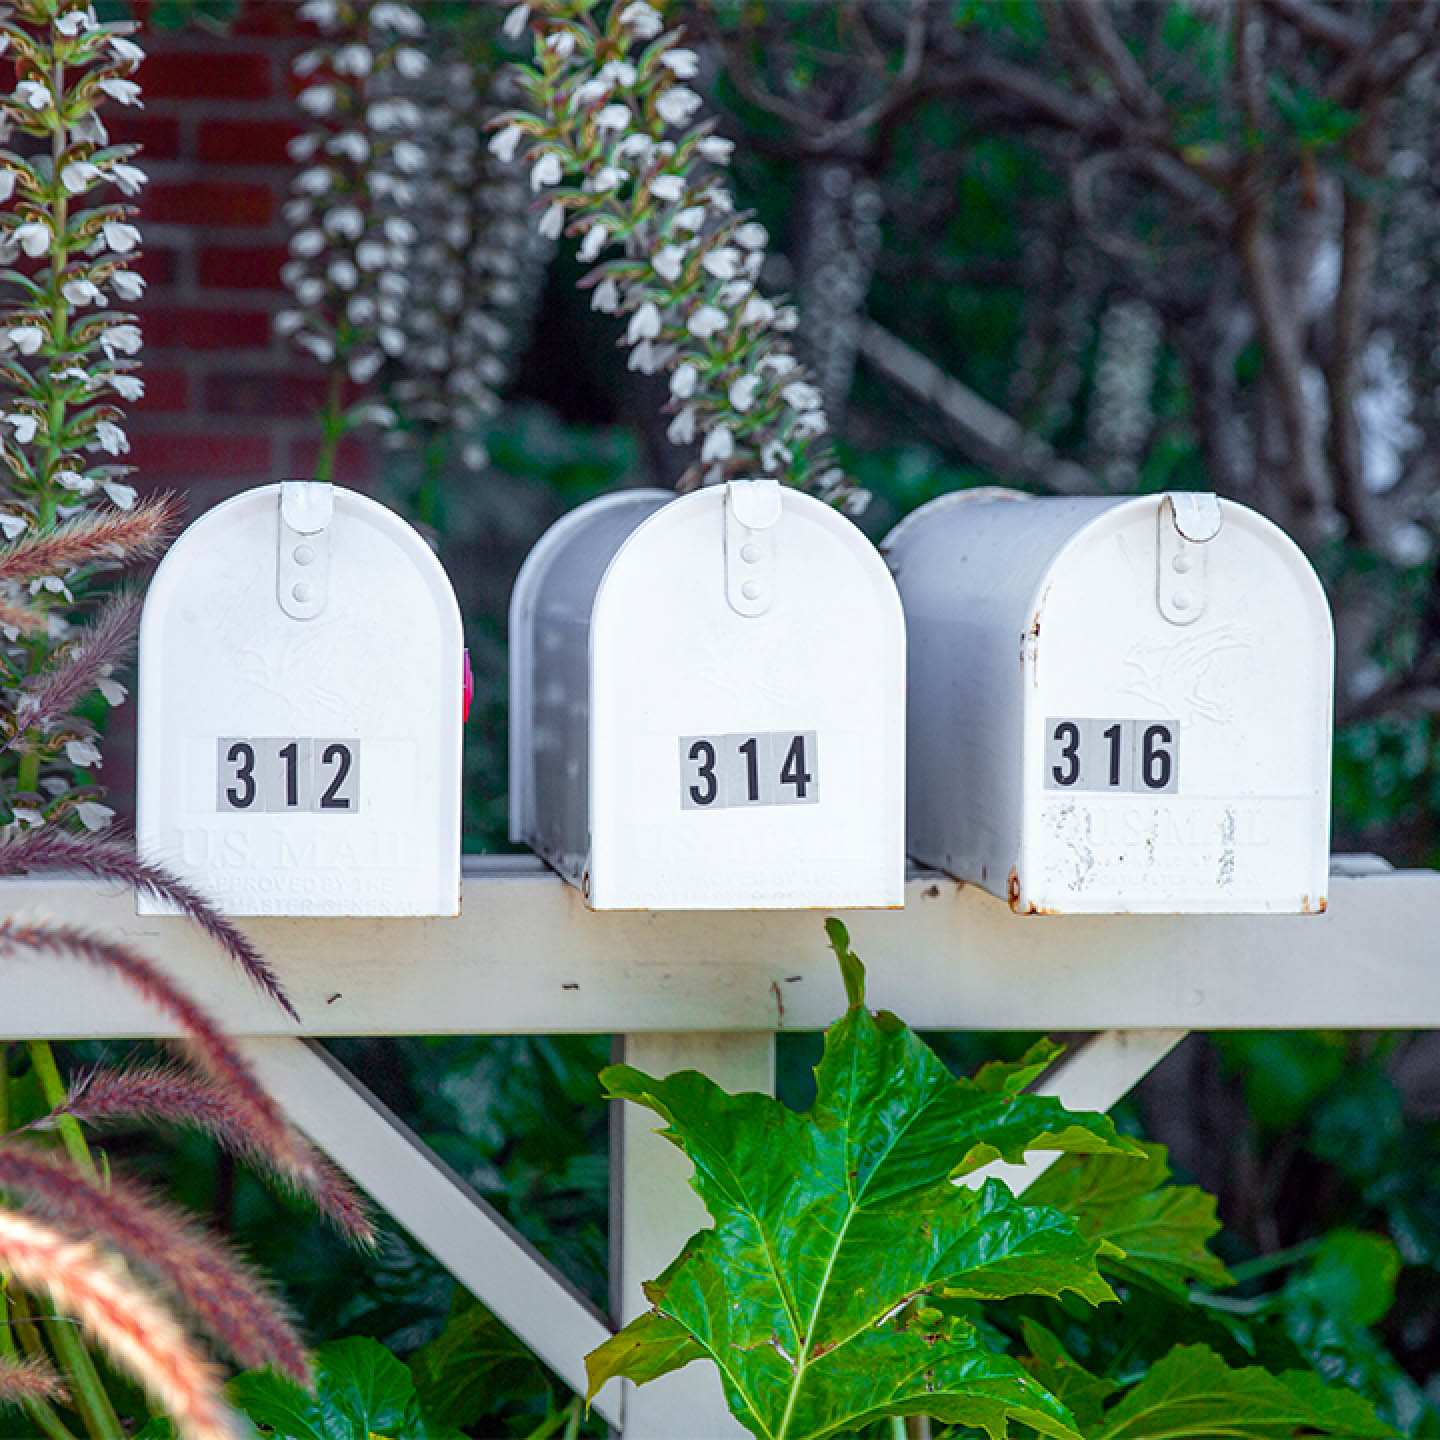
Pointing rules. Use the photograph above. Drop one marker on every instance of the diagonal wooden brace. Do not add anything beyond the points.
(404, 1176)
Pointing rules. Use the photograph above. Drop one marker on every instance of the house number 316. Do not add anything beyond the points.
(1135, 755)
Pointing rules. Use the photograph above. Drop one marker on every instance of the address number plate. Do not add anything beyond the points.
(778, 767)
(281, 774)
(1141, 756)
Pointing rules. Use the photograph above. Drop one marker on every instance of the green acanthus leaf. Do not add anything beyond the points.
(1070, 1382)
(1163, 1229)
(832, 1225)
(1192, 1392)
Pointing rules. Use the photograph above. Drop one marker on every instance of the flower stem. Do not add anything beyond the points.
(59, 310)
(40, 1411)
(332, 427)
(47, 501)
(86, 1388)
(1277, 1260)
(569, 1417)
(42, 1057)
(27, 1331)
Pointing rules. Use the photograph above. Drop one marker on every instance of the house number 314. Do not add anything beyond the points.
(779, 767)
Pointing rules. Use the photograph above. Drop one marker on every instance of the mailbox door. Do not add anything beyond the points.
(742, 761)
(1177, 766)
(308, 766)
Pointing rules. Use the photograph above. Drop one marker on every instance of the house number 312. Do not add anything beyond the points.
(281, 774)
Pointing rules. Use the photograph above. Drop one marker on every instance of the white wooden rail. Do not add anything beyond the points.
(527, 957)
(710, 991)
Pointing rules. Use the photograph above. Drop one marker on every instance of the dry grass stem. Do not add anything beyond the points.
(50, 696)
(124, 1319)
(212, 1050)
(112, 534)
(51, 848)
(225, 1298)
(175, 1095)
(22, 1380)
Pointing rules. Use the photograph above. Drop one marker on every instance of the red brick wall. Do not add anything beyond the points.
(227, 404)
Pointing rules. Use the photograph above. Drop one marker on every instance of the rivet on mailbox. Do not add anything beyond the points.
(301, 673)
(1117, 704)
(707, 704)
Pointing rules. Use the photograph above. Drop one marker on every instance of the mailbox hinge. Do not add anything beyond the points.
(302, 571)
(752, 512)
(1189, 521)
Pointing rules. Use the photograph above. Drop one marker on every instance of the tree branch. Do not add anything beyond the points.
(1277, 312)
(1359, 246)
(986, 433)
(1091, 23)
(1318, 22)
(812, 134)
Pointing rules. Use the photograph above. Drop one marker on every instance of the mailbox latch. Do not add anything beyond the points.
(302, 572)
(1189, 521)
(752, 511)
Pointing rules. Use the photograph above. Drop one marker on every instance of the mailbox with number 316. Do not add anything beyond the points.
(1117, 704)
(301, 667)
(707, 704)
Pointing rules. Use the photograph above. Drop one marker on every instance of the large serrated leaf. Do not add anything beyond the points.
(1193, 1393)
(1163, 1229)
(361, 1390)
(1084, 1393)
(831, 1225)
(473, 1368)
(652, 1345)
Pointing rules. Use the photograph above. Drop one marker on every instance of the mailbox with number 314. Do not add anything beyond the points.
(301, 666)
(707, 704)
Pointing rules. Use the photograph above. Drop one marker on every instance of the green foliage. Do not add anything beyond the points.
(1083, 1394)
(1192, 1392)
(361, 1391)
(1159, 1233)
(478, 1376)
(847, 1278)
(1352, 1281)
(1283, 1075)
(1020, 20)
(834, 1228)
(460, 1375)
(1315, 120)
(177, 14)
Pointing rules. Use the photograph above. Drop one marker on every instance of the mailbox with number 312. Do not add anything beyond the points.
(1117, 704)
(301, 667)
(707, 704)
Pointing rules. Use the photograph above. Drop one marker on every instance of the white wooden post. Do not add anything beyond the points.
(654, 1211)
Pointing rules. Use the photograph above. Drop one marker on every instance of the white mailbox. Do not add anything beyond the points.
(707, 704)
(1117, 705)
(301, 670)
